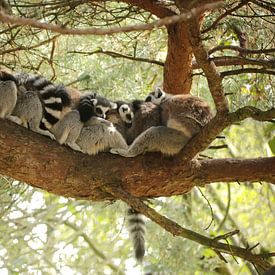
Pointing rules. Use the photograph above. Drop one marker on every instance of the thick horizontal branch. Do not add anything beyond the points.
(43, 163)
(5, 18)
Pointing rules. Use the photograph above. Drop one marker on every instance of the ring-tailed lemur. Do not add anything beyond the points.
(146, 115)
(40, 104)
(100, 135)
(182, 116)
(90, 109)
(122, 117)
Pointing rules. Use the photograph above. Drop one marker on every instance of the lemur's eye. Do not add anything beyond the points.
(159, 94)
(98, 111)
(129, 117)
(124, 109)
(148, 98)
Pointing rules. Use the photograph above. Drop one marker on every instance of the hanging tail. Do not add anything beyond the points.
(136, 226)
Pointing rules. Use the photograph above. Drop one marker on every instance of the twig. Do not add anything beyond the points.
(227, 208)
(222, 16)
(211, 210)
(241, 50)
(119, 55)
(247, 70)
(98, 31)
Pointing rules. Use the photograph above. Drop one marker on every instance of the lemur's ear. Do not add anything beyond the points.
(94, 101)
(113, 105)
(160, 92)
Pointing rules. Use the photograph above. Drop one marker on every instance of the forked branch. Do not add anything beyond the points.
(177, 230)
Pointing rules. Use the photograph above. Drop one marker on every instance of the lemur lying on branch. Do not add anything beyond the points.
(90, 123)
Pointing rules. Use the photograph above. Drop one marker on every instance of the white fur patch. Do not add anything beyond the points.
(53, 100)
(54, 113)
(174, 124)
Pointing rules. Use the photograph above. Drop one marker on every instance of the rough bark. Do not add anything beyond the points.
(178, 64)
(43, 163)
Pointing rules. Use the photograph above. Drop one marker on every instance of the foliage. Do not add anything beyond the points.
(46, 234)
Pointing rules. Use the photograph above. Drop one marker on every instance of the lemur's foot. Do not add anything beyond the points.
(122, 152)
(15, 119)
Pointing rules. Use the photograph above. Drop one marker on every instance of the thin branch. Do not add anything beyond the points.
(208, 67)
(222, 16)
(177, 230)
(238, 60)
(119, 55)
(152, 7)
(241, 50)
(24, 48)
(208, 133)
(227, 208)
(96, 251)
(98, 31)
(210, 207)
(247, 70)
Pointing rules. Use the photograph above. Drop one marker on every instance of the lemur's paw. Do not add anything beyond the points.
(114, 151)
(121, 152)
(15, 119)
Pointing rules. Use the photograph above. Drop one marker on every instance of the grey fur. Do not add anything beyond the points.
(67, 130)
(29, 110)
(182, 116)
(100, 135)
(145, 116)
(92, 136)
(155, 139)
(8, 98)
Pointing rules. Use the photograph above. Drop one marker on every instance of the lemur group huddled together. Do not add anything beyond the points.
(90, 123)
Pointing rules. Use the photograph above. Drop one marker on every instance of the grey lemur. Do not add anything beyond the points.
(182, 116)
(40, 104)
(100, 135)
(85, 128)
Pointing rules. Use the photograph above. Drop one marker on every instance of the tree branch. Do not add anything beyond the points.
(247, 70)
(241, 50)
(5, 18)
(152, 7)
(177, 230)
(43, 163)
(208, 67)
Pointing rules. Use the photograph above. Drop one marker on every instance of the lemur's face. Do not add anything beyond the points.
(156, 97)
(126, 114)
(102, 106)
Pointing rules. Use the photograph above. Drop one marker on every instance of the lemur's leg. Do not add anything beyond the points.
(15, 119)
(34, 125)
(155, 139)
(116, 140)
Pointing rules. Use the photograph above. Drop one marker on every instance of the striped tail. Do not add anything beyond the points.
(86, 107)
(54, 98)
(136, 226)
